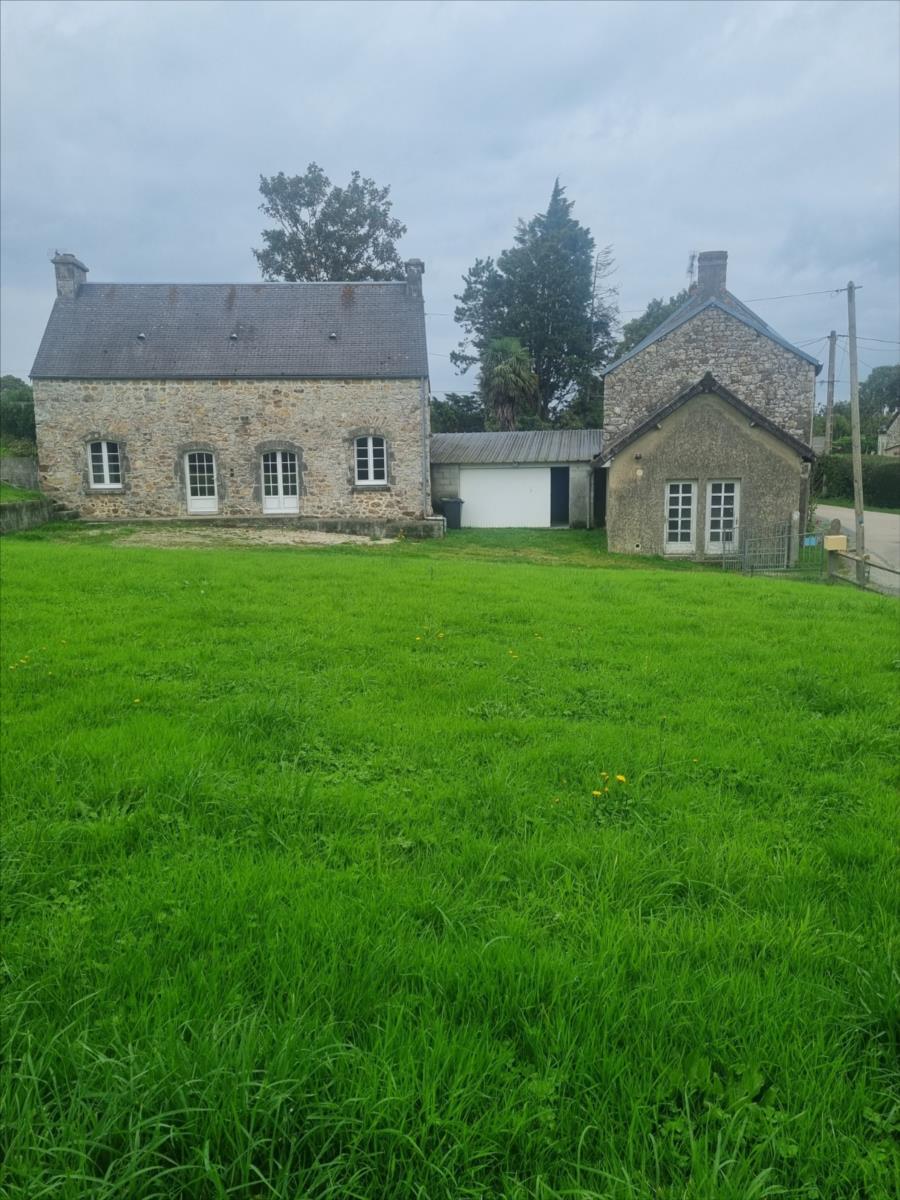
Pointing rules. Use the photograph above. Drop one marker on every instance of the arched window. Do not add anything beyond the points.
(371, 461)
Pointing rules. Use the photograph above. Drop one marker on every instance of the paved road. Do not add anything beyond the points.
(882, 536)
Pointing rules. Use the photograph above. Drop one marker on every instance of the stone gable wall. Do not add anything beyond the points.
(759, 371)
(157, 422)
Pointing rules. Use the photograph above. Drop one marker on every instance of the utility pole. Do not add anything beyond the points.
(829, 403)
(857, 447)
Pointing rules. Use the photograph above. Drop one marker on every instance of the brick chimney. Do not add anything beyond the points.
(711, 268)
(70, 275)
(415, 269)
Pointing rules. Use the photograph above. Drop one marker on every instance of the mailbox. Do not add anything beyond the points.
(836, 541)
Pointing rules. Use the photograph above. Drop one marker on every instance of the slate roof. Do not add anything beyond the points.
(695, 305)
(706, 386)
(283, 330)
(538, 446)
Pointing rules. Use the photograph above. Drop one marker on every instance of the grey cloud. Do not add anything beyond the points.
(134, 134)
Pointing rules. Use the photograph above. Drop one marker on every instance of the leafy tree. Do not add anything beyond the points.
(327, 232)
(457, 413)
(16, 410)
(879, 397)
(653, 316)
(508, 383)
(547, 291)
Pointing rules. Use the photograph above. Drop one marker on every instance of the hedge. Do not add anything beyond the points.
(17, 419)
(833, 479)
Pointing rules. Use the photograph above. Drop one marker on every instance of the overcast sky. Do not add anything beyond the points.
(134, 135)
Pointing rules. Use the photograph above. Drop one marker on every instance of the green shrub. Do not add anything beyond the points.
(833, 479)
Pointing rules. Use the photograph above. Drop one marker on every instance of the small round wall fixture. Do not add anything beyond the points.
(232, 337)
(142, 337)
(332, 337)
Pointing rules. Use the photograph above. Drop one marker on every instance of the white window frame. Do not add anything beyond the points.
(715, 547)
(681, 547)
(201, 504)
(370, 441)
(105, 484)
(281, 501)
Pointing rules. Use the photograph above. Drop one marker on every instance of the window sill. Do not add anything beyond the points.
(110, 487)
(371, 487)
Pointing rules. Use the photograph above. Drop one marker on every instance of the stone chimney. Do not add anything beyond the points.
(415, 269)
(70, 275)
(711, 268)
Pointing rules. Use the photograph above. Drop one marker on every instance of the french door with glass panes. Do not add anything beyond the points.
(680, 516)
(200, 474)
(723, 499)
(281, 485)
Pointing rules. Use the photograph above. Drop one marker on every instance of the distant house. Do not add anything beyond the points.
(707, 427)
(535, 479)
(889, 438)
(306, 400)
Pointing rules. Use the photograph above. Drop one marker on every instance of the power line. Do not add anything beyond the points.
(795, 295)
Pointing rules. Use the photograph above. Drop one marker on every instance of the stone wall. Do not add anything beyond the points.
(157, 422)
(25, 514)
(773, 380)
(704, 440)
(19, 471)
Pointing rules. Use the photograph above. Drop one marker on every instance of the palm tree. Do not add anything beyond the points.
(509, 385)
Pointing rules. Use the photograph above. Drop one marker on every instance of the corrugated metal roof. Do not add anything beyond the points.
(696, 304)
(538, 446)
(281, 330)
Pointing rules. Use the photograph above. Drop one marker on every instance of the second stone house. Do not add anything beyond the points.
(707, 428)
(304, 400)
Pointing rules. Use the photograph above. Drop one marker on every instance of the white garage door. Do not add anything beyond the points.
(495, 497)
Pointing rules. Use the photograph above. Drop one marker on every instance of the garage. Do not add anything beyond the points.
(502, 497)
(533, 480)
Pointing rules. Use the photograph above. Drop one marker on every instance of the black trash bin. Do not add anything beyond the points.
(452, 509)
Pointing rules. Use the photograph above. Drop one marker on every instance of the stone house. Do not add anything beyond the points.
(301, 400)
(707, 428)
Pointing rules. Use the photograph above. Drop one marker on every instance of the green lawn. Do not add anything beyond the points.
(319, 880)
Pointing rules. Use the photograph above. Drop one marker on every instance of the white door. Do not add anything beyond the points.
(723, 502)
(680, 517)
(281, 489)
(200, 472)
(505, 497)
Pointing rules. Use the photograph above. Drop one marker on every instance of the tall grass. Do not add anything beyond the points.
(319, 881)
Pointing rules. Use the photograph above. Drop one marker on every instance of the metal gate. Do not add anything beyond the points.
(768, 550)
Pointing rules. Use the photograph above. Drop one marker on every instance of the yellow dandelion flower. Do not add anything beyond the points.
(596, 793)
(621, 779)
(418, 639)
(136, 701)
